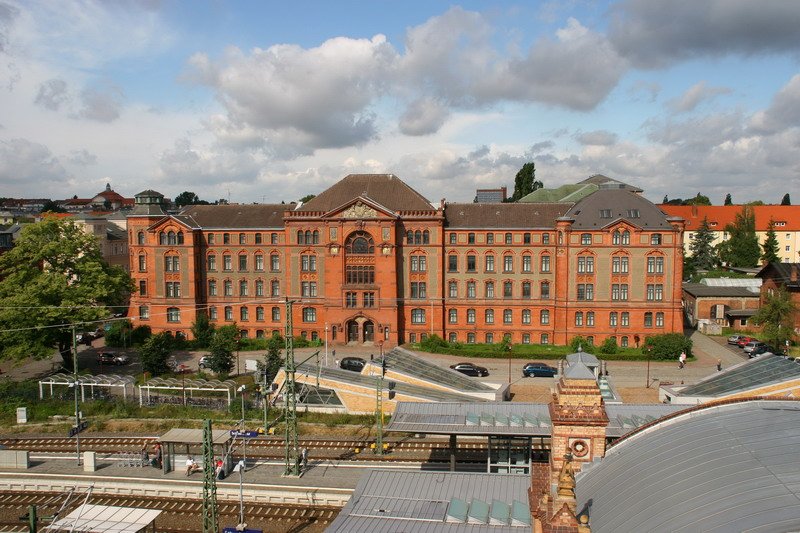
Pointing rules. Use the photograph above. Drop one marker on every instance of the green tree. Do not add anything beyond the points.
(525, 182)
(786, 200)
(728, 200)
(770, 245)
(202, 330)
(308, 197)
(582, 344)
(667, 346)
(609, 346)
(222, 347)
(741, 249)
(155, 353)
(189, 198)
(51, 207)
(700, 199)
(702, 253)
(52, 278)
(273, 360)
(119, 334)
(776, 316)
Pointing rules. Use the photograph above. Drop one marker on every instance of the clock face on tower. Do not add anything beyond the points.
(579, 447)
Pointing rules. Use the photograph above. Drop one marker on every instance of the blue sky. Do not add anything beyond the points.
(269, 101)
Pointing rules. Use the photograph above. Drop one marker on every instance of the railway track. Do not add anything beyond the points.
(178, 515)
(267, 447)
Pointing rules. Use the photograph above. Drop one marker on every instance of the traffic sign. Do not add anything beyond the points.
(74, 430)
(244, 434)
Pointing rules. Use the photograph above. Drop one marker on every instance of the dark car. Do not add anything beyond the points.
(470, 370)
(538, 370)
(356, 364)
(111, 358)
(762, 348)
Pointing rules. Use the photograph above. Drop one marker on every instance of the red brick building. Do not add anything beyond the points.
(370, 260)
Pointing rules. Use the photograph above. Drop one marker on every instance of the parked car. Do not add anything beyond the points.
(734, 339)
(538, 370)
(111, 358)
(744, 340)
(356, 364)
(470, 370)
(205, 362)
(750, 346)
(762, 348)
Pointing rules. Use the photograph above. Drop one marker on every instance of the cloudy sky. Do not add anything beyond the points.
(257, 101)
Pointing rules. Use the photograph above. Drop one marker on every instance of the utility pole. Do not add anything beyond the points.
(291, 455)
(379, 416)
(210, 519)
(75, 384)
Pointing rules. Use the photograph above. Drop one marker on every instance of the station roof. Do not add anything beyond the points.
(763, 370)
(436, 502)
(308, 372)
(105, 519)
(195, 436)
(724, 467)
(402, 361)
(516, 419)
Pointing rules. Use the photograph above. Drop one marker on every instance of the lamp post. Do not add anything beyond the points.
(326, 344)
(647, 382)
(76, 385)
(240, 468)
(241, 425)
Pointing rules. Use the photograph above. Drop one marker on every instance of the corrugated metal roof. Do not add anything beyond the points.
(754, 284)
(700, 290)
(194, 436)
(510, 418)
(90, 518)
(731, 467)
(757, 372)
(387, 500)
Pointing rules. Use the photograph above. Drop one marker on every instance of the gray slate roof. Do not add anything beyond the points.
(731, 467)
(239, 216)
(504, 216)
(759, 371)
(586, 213)
(430, 502)
(788, 273)
(386, 189)
(701, 290)
(578, 370)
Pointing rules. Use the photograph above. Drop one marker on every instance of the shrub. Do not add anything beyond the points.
(140, 334)
(434, 344)
(582, 343)
(667, 346)
(609, 346)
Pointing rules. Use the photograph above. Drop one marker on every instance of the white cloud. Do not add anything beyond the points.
(597, 138)
(422, 117)
(52, 94)
(784, 110)
(695, 95)
(102, 104)
(26, 162)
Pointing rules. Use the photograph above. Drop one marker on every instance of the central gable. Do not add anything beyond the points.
(386, 190)
(361, 208)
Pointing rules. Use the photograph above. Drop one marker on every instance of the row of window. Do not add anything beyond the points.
(507, 238)
(367, 299)
(508, 316)
(489, 289)
(508, 263)
(309, 314)
(309, 287)
(173, 238)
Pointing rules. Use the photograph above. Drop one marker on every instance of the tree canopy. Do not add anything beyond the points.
(770, 245)
(776, 316)
(728, 199)
(308, 197)
(703, 257)
(155, 353)
(222, 347)
(50, 206)
(54, 277)
(188, 198)
(525, 182)
(786, 200)
(741, 249)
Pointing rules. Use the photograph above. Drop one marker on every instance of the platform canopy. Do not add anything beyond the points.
(106, 519)
(87, 381)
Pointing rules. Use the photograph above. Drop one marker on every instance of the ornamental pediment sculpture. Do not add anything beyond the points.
(359, 210)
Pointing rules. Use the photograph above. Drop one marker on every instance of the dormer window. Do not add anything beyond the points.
(605, 213)
(633, 213)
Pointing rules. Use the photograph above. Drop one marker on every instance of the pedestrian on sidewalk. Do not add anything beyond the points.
(719, 365)
(682, 360)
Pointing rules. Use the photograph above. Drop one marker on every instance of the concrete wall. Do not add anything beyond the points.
(17, 459)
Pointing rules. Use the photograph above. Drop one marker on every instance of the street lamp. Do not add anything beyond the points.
(240, 468)
(326, 344)
(241, 425)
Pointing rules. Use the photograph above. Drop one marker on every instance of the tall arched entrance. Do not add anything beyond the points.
(360, 330)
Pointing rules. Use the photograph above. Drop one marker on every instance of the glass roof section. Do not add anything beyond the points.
(759, 371)
(403, 361)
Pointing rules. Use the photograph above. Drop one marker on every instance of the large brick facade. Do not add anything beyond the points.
(370, 260)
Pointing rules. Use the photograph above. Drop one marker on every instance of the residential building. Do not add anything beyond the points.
(106, 200)
(370, 260)
(491, 196)
(712, 307)
(786, 220)
(782, 275)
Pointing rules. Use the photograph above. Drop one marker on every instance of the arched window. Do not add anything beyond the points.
(315, 237)
(140, 237)
(360, 243)
(615, 237)
(162, 238)
(300, 237)
(418, 237)
(409, 237)
(545, 290)
(426, 237)
(180, 237)
(173, 314)
(309, 238)
(626, 237)
(172, 238)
